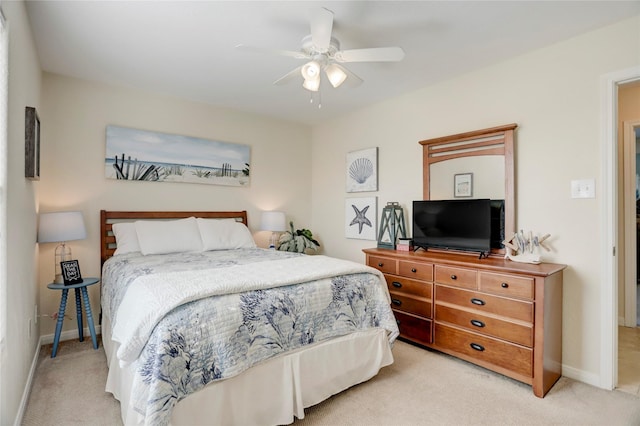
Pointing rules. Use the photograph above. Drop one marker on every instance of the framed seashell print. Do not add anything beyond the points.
(362, 170)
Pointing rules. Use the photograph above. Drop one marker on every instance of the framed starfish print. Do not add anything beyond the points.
(361, 217)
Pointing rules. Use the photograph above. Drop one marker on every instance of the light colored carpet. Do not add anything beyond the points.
(420, 388)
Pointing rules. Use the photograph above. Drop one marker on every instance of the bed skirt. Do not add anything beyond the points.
(270, 393)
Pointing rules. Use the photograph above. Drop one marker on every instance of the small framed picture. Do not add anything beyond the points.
(463, 185)
(71, 272)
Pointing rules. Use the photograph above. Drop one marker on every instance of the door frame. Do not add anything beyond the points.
(609, 227)
(630, 222)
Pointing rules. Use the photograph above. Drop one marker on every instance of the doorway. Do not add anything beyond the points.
(628, 332)
(630, 194)
(610, 291)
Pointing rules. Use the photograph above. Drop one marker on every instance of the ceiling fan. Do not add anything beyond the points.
(323, 55)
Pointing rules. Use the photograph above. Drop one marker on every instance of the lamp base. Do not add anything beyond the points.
(61, 254)
(273, 239)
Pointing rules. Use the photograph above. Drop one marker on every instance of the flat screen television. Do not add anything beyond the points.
(453, 224)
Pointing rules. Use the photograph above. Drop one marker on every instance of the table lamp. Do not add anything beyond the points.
(60, 227)
(275, 222)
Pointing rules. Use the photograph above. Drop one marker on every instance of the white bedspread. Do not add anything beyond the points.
(163, 292)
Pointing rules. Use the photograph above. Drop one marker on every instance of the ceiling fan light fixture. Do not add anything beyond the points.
(335, 75)
(310, 70)
(312, 84)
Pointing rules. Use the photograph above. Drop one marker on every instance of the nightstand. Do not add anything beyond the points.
(79, 288)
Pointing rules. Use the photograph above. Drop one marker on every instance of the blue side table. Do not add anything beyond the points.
(80, 287)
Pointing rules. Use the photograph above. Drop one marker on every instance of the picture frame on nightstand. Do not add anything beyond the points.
(71, 272)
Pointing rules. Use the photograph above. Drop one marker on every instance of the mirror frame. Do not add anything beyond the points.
(492, 141)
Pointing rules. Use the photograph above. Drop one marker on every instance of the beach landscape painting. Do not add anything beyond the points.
(142, 155)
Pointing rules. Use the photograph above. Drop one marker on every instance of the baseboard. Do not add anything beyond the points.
(581, 376)
(27, 386)
(68, 335)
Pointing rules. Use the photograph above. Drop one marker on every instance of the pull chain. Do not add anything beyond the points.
(319, 99)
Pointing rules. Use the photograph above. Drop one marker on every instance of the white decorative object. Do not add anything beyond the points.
(525, 247)
(525, 258)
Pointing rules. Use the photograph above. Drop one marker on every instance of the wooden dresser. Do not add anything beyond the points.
(502, 315)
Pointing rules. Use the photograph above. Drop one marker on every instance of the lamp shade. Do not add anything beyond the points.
(310, 70)
(335, 74)
(57, 227)
(273, 221)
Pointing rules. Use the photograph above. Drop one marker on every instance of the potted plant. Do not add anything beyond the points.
(297, 240)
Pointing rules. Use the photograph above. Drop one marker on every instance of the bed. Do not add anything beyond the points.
(200, 326)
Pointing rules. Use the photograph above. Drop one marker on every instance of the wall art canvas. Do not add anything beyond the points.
(142, 155)
(31, 144)
(361, 218)
(362, 170)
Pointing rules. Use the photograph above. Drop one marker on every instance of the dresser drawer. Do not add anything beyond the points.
(515, 332)
(507, 285)
(398, 284)
(485, 303)
(497, 352)
(459, 277)
(415, 305)
(417, 270)
(414, 328)
(383, 264)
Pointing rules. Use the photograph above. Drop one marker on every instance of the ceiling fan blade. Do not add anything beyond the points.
(290, 53)
(321, 28)
(375, 54)
(288, 76)
(352, 79)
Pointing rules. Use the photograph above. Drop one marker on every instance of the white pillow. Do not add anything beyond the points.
(126, 238)
(168, 236)
(224, 234)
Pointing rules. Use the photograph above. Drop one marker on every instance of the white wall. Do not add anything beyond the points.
(22, 291)
(553, 94)
(74, 117)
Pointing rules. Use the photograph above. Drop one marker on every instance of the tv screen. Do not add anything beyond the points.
(453, 224)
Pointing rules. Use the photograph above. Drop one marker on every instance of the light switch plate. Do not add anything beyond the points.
(583, 188)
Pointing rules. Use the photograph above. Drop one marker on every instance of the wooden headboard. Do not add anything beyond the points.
(108, 218)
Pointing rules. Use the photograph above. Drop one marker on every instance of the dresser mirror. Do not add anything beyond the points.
(477, 164)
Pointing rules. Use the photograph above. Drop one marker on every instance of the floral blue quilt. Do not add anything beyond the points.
(220, 336)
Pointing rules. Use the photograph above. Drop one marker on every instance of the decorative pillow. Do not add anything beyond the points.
(126, 238)
(168, 236)
(224, 234)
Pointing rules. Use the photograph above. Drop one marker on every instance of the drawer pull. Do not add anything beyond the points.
(478, 302)
(477, 323)
(477, 347)
(414, 270)
(453, 277)
(396, 302)
(380, 265)
(396, 284)
(504, 285)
